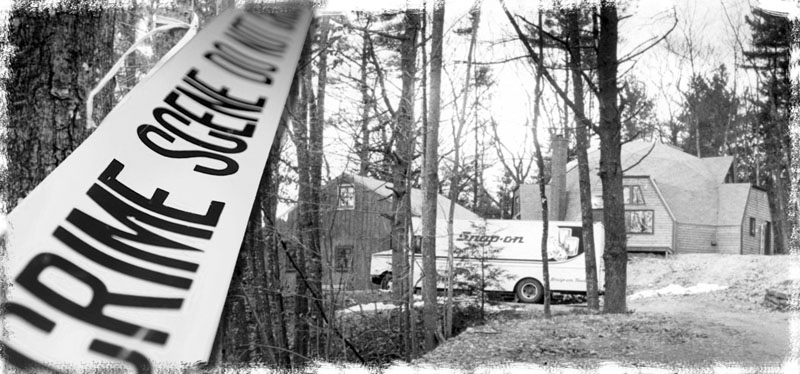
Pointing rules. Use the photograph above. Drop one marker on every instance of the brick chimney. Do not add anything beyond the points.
(558, 179)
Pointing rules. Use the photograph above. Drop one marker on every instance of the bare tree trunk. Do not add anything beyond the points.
(315, 146)
(366, 104)
(583, 159)
(403, 153)
(304, 223)
(542, 181)
(269, 206)
(456, 173)
(615, 256)
(430, 314)
(697, 135)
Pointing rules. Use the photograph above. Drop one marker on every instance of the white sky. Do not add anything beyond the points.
(510, 98)
(663, 73)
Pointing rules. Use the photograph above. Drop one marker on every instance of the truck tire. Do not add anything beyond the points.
(529, 290)
(386, 282)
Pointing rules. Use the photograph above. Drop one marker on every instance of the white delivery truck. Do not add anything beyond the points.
(508, 255)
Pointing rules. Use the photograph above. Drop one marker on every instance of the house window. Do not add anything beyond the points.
(752, 226)
(347, 196)
(639, 221)
(344, 259)
(632, 195)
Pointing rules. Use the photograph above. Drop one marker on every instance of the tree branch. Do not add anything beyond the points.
(566, 46)
(381, 78)
(346, 23)
(653, 44)
(641, 159)
(546, 74)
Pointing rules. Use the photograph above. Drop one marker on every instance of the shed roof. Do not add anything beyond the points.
(732, 203)
(718, 167)
(689, 184)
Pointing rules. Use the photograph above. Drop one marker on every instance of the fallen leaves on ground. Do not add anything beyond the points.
(566, 337)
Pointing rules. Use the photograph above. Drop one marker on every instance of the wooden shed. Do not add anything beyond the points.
(356, 222)
(674, 202)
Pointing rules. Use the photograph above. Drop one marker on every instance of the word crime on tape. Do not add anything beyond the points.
(125, 252)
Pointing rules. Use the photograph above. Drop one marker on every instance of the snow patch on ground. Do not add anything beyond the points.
(674, 289)
(418, 303)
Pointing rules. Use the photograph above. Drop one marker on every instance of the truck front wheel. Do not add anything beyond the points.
(529, 290)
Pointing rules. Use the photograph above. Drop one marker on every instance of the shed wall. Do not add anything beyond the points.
(364, 229)
(758, 208)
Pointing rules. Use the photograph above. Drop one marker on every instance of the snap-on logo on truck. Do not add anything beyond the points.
(467, 236)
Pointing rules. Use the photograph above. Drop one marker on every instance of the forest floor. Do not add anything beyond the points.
(668, 328)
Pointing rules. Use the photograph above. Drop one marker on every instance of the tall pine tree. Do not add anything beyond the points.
(770, 58)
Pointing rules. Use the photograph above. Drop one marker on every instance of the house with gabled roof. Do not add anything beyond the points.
(674, 202)
(356, 222)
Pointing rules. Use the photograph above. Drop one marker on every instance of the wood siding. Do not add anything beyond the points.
(728, 239)
(661, 238)
(758, 208)
(365, 228)
(692, 238)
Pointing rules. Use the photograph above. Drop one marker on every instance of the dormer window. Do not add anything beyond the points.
(347, 197)
(632, 195)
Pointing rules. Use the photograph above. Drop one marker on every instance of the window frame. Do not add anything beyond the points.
(653, 222)
(339, 200)
(627, 198)
(753, 226)
(348, 249)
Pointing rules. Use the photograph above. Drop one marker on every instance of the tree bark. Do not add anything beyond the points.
(305, 219)
(542, 180)
(366, 105)
(587, 221)
(316, 128)
(455, 177)
(615, 256)
(402, 156)
(430, 314)
(62, 51)
(269, 206)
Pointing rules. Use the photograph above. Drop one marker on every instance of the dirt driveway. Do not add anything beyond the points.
(726, 326)
(677, 332)
(735, 333)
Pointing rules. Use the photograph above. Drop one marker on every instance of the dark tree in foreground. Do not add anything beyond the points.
(431, 170)
(61, 52)
(615, 255)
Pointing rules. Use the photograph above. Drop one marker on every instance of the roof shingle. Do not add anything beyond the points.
(689, 184)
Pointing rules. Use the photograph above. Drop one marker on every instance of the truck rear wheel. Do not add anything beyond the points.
(529, 290)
